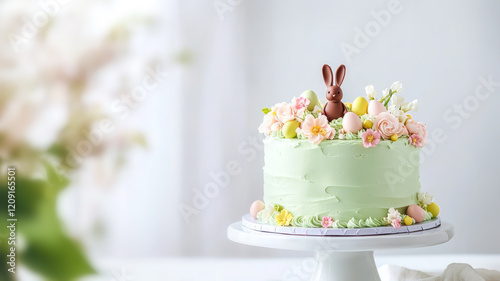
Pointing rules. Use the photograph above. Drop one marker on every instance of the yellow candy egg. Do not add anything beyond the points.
(394, 137)
(348, 105)
(367, 124)
(289, 129)
(360, 106)
(408, 220)
(433, 208)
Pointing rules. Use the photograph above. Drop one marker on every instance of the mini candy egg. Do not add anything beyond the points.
(367, 124)
(348, 106)
(289, 129)
(416, 212)
(408, 220)
(433, 208)
(256, 207)
(310, 95)
(394, 137)
(352, 123)
(375, 108)
(360, 106)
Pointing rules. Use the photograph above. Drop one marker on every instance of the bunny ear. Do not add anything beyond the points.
(327, 75)
(339, 75)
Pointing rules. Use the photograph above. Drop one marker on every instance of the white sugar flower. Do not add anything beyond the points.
(370, 92)
(393, 214)
(425, 199)
(397, 101)
(414, 105)
(385, 94)
(400, 114)
(397, 87)
(268, 212)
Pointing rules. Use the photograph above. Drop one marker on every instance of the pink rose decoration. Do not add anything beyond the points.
(300, 102)
(370, 138)
(417, 128)
(415, 140)
(267, 124)
(317, 129)
(327, 222)
(388, 125)
(285, 112)
(396, 223)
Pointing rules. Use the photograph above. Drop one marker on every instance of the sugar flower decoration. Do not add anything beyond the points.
(389, 125)
(392, 215)
(317, 129)
(300, 102)
(397, 87)
(267, 124)
(267, 213)
(284, 218)
(285, 112)
(415, 140)
(417, 128)
(370, 138)
(327, 222)
(370, 92)
(424, 199)
(396, 223)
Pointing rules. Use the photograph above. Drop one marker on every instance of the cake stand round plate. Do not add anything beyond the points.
(347, 257)
(249, 222)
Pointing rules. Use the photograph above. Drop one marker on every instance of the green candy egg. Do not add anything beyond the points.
(360, 106)
(310, 95)
(289, 129)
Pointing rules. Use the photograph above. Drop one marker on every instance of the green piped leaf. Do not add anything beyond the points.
(266, 110)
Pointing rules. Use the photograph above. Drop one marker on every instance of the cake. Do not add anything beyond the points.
(343, 165)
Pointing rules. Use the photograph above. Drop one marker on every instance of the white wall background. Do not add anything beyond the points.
(263, 52)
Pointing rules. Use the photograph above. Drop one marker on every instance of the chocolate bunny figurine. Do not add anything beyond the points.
(334, 107)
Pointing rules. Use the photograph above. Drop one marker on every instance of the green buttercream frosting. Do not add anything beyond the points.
(312, 221)
(351, 136)
(354, 223)
(339, 224)
(340, 178)
(374, 222)
(297, 221)
(336, 124)
(428, 216)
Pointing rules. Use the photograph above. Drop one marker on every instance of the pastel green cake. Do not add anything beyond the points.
(340, 179)
(337, 164)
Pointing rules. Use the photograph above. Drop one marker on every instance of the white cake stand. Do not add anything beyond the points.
(341, 258)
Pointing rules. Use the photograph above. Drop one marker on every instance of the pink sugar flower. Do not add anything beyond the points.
(284, 112)
(396, 223)
(419, 129)
(327, 222)
(370, 138)
(387, 125)
(317, 129)
(300, 102)
(415, 140)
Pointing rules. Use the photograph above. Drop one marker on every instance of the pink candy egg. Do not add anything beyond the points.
(351, 122)
(256, 207)
(416, 212)
(375, 108)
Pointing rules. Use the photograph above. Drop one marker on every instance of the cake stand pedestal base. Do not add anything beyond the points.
(343, 258)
